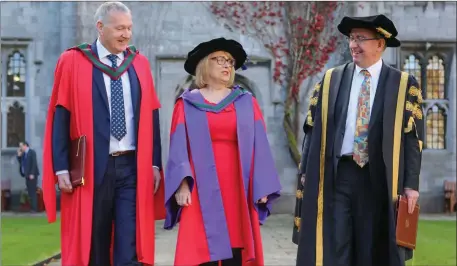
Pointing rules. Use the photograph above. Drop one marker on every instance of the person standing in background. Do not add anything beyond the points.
(28, 168)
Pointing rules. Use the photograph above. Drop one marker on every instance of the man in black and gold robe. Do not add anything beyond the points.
(362, 149)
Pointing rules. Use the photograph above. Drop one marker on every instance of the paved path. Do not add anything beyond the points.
(276, 236)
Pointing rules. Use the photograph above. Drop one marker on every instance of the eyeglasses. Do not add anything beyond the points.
(222, 61)
(360, 39)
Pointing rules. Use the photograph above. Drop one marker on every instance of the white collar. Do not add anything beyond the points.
(103, 52)
(374, 69)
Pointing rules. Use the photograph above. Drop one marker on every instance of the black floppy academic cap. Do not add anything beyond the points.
(379, 23)
(234, 48)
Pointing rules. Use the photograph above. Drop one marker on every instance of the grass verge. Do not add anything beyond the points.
(27, 240)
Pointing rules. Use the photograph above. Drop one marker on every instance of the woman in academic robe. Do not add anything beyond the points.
(220, 178)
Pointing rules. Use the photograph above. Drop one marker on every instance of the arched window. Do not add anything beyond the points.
(14, 90)
(15, 76)
(16, 125)
(430, 68)
(435, 78)
(435, 121)
(413, 67)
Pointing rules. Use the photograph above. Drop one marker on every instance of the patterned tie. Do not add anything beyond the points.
(118, 128)
(363, 118)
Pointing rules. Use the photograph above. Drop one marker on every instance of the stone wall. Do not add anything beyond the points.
(166, 31)
(47, 28)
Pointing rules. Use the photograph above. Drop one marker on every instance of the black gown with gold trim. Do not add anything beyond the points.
(395, 152)
(302, 167)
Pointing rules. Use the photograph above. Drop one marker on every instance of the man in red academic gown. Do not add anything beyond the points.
(105, 91)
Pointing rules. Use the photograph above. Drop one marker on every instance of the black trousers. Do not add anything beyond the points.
(31, 191)
(353, 214)
(115, 202)
(235, 261)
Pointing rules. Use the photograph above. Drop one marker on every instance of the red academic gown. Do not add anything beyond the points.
(241, 216)
(73, 90)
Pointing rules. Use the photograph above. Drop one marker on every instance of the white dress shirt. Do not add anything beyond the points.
(375, 71)
(127, 143)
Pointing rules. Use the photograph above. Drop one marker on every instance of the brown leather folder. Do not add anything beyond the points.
(77, 159)
(406, 228)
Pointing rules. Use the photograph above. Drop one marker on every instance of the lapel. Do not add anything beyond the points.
(98, 78)
(342, 107)
(134, 88)
(346, 84)
(335, 85)
(379, 97)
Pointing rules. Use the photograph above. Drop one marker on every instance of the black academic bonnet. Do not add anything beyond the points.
(234, 48)
(379, 23)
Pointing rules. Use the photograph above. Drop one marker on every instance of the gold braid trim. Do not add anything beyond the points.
(297, 222)
(413, 91)
(409, 128)
(313, 101)
(309, 119)
(398, 124)
(384, 32)
(319, 259)
(415, 109)
(409, 125)
(317, 87)
(413, 105)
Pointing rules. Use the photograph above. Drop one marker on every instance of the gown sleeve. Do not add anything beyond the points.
(60, 96)
(308, 126)
(265, 175)
(178, 165)
(414, 135)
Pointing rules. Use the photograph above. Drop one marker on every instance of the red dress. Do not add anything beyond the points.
(222, 128)
(242, 221)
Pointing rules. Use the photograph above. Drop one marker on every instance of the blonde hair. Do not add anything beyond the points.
(201, 73)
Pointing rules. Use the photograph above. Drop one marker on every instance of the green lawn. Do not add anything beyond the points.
(436, 244)
(26, 240)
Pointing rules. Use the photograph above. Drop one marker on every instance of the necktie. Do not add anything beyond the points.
(360, 152)
(118, 128)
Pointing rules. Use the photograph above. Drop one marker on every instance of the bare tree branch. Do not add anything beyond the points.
(299, 35)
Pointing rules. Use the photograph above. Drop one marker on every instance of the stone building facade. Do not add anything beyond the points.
(34, 34)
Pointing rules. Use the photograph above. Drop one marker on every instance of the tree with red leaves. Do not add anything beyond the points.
(299, 35)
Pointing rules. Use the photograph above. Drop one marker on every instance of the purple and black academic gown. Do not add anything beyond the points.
(207, 231)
